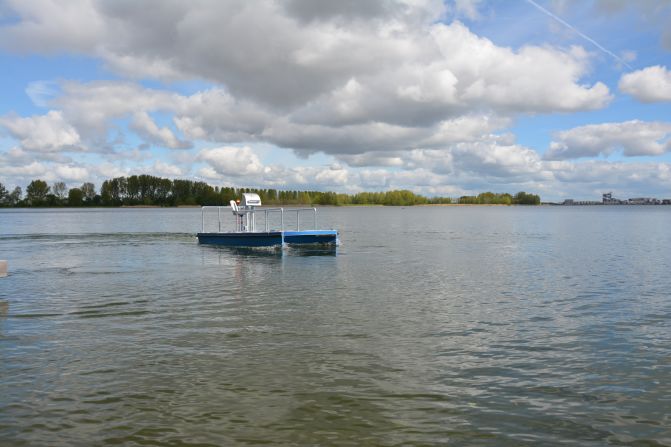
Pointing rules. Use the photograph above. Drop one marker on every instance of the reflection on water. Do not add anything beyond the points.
(487, 326)
(259, 252)
(312, 251)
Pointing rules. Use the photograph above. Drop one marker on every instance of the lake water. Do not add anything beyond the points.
(496, 326)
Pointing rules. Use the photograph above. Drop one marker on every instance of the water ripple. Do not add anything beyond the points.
(496, 327)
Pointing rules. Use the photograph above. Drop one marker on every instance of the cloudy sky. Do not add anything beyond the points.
(564, 98)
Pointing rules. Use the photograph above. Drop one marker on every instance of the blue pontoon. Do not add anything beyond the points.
(246, 233)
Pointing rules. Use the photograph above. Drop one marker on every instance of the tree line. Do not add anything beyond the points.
(138, 190)
(490, 198)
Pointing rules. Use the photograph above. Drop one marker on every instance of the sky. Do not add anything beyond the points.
(562, 98)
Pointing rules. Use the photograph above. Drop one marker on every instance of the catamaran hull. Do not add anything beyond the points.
(269, 239)
(311, 237)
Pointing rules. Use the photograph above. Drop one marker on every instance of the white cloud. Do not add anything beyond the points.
(108, 170)
(374, 178)
(87, 113)
(290, 54)
(162, 169)
(41, 92)
(533, 79)
(487, 161)
(463, 169)
(450, 71)
(374, 158)
(210, 174)
(32, 169)
(71, 173)
(341, 140)
(240, 165)
(633, 138)
(375, 84)
(17, 156)
(53, 26)
(333, 176)
(46, 133)
(467, 128)
(493, 160)
(597, 176)
(92, 107)
(136, 154)
(468, 8)
(215, 115)
(24, 172)
(147, 128)
(140, 67)
(232, 161)
(651, 84)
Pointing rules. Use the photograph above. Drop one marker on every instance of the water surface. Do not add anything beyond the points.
(498, 326)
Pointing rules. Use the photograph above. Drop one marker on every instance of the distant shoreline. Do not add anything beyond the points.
(371, 205)
(423, 205)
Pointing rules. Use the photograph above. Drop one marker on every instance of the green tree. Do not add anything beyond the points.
(36, 192)
(305, 198)
(440, 200)
(4, 194)
(491, 198)
(468, 200)
(89, 191)
(112, 192)
(52, 200)
(523, 198)
(133, 190)
(75, 197)
(182, 192)
(151, 190)
(14, 197)
(163, 190)
(106, 193)
(204, 194)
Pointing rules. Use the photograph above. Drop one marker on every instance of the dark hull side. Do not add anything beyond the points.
(311, 237)
(241, 239)
(259, 239)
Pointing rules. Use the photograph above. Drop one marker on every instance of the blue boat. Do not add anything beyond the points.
(246, 233)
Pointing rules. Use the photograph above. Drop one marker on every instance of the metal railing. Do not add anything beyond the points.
(298, 212)
(245, 219)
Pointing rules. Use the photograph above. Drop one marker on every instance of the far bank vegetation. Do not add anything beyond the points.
(147, 190)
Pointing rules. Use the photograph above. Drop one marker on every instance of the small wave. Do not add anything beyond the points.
(94, 314)
(35, 315)
(85, 237)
